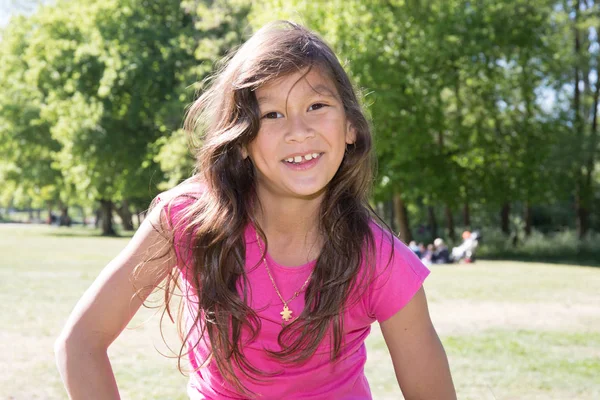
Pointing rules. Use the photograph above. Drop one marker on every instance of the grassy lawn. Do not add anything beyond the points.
(511, 330)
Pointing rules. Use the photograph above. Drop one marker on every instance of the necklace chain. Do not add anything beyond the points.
(286, 313)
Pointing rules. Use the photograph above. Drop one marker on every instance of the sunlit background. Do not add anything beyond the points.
(485, 121)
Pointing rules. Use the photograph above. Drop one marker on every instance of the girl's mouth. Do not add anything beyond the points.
(302, 162)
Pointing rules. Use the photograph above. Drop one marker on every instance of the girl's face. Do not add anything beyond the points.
(302, 137)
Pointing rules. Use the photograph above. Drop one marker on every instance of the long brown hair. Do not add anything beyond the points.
(227, 117)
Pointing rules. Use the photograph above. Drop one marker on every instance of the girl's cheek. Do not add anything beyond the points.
(271, 128)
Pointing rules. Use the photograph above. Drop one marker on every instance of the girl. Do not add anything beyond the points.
(280, 262)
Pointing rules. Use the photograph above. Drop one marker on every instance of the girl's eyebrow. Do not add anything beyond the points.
(263, 98)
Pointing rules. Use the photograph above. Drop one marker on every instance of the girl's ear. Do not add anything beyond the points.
(244, 152)
(350, 133)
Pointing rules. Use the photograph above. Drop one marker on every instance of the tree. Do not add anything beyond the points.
(104, 69)
(26, 147)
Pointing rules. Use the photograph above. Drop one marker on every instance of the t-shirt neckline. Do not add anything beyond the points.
(251, 238)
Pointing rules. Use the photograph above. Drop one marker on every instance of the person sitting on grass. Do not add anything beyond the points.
(415, 248)
(441, 254)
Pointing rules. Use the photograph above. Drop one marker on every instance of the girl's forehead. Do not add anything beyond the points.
(303, 82)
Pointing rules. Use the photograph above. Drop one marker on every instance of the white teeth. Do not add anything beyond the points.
(306, 157)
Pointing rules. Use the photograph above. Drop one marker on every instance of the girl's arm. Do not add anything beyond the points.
(105, 310)
(418, 356)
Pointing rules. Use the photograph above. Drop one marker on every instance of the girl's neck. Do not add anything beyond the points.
(290, 222)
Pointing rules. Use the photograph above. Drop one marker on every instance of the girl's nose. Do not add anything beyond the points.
(299, 130)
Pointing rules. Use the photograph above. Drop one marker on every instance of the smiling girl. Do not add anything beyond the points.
(280, 261)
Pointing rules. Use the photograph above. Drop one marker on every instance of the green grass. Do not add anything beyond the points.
(526, 363)
(511, 330)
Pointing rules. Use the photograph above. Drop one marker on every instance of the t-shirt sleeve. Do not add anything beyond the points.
(399, 274)
(175, 204)
(173, 207)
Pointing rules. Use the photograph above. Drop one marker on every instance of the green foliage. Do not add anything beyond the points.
(26, 146)
(560, 247)
(93, 88)
(174, 158)
(454, 91)
(106, 68)
(94, 93)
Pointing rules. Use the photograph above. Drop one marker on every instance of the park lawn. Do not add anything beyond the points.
(511, 330)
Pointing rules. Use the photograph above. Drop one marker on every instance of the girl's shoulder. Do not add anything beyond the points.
(191, 188)
(176, 202)
(386, 242)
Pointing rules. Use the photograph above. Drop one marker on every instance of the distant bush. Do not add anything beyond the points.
(560, 247)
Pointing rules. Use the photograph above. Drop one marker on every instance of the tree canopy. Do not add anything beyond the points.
(479, 109)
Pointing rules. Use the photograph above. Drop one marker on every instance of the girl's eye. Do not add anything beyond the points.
(317, 106)
(273, 115)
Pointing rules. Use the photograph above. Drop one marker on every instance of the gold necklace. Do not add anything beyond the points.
(286, 314)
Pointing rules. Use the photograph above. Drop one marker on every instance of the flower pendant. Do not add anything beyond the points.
(286, 314)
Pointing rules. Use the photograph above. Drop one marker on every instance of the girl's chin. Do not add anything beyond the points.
(289, 189)
(308, 192)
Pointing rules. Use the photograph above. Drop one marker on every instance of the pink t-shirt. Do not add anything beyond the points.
(391, 289)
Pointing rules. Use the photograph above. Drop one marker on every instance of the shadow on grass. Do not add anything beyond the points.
(65, 231)
(89, 233)
(585, 260)
(561, 247)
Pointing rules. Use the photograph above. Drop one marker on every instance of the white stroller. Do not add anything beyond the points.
(466, 250)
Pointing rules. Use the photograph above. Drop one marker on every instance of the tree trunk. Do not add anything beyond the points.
(83, 217)
(580, 192)
(125, 215)
(49, 209)
(139, 220)
(65, 219)
(144, 213)
(504, 218)
(467, 215)
(527, 218)
(432, 223)
(389, 216)
(576, 91)
(584, 198)
(402, 218)
(450, 223)
(582, 213)
(107, 224)
(98, 217)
